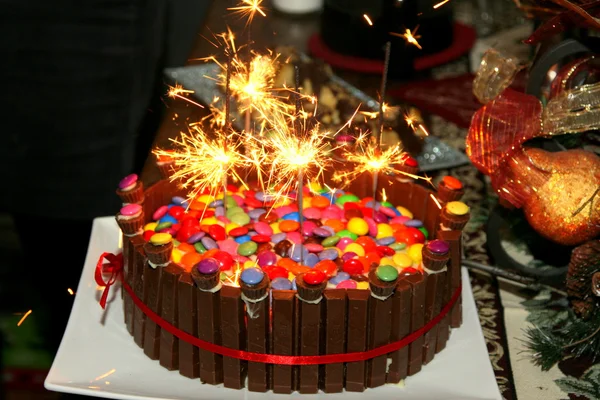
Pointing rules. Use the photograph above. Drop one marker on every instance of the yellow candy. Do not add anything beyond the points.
(150, 226)
(231, 226)
(176, 255)
(405, 212)
(160, 238)
(275, 227)
(415, 252)
(284, 201)
(306, 202)
(402, 260)
(457, 208)
(384, 230)
(362, 285)
(314, 186)
(358, 226)
(210, 221)
(206, 199)
(355, 248)
(249, 264)
(291, 276)
(387, 261)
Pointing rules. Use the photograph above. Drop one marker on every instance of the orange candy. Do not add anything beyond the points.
(186, 248)
(210, 253)
(372, 257)
(367, 243)
(320, 202)
(397, 227)
(366, 264)
(189, 260)
(326, 266)
(452, 183)
(292, 266)
(335, 224)
(197, 205)
(288, 226)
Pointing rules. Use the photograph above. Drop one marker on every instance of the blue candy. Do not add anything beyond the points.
(242, 239)
(209, 243)
(278, 237)
(168, 218)
(328, 254)
(311, 260)
(252, 276)
(386, 241)
(293, 216)
(281, 284)
(340, 277)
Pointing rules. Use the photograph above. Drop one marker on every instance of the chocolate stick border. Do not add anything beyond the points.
(415, 349)
(401, 315)
(208, 312)
(334, 315)
(283, 338)
(233, 335)
(189, 359)
(169, 344)
(358, 315)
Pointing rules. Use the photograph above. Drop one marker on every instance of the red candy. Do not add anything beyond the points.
(176, 211)
(410, 271)
(252, 202)
(367, 243)
(261, 238)
(186, 232)
(239, 231)
(314, 277)
(353, 266)
(217, 232)
(275, 271)
(189, 221)
(410, 162)
(385, 251)
(328, 267)
(350, 205)
(225, 260)
(410, 236)
(147, 235)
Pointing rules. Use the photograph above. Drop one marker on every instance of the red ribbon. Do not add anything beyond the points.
(114, 267)
(291, 360)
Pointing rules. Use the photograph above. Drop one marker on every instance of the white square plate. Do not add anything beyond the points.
(97, 356)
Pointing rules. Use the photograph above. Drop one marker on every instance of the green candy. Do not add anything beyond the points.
(425, 232)
(398, 246)
(247, 248)
(387, 273)
(233, 211)
(230, 202)
(345, 198)
(240, 218)
(347, 233)
(330, 241)
(387, 204)
(200, 247)
(163, 225)
(176, 243)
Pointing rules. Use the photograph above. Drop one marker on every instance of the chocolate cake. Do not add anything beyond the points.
(236, 272)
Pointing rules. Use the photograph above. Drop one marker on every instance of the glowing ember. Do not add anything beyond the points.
(368, 19)
(410, 37)
(71, 292)
(24, 317)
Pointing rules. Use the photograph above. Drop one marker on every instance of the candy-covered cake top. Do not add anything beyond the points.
(246, 236)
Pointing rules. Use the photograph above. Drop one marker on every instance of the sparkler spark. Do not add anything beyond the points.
(203, 161)
(112, 371)
(410, 37)
(441, 3)
(71, 292)
(367, 157)
(178, 91)
(24, 317)
(368, 19)
(249, 9)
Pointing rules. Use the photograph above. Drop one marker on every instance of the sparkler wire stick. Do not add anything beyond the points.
(227, 125)
(298, 129)
(386, 67)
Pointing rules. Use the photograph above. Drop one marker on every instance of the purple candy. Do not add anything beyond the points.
(298, 252)
(208, 243)
(328, 254)
(178, 200)
(280, 283)
(386, 241)
(252, 276)
(348, 256)
(220, 211)
(311, 260)
(438, 246)
(266, 258)
(340, 277)
(128, 181)
(278, 237)
(196, 237)
(208, 266)
(257, 212)
(216, 203)
(414, 223)
(169, 230)
(321, 232)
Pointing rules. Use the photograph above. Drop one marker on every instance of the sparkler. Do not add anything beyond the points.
(24, 317)
(249, 9)
(368, 19)
(410, 37)
(441, 3)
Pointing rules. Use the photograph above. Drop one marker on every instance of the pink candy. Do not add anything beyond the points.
(345, 241)
(312, 213)
(131, 210)
(294, 237)
(128, 181)
(399, 220)
(160, 212)
(348, 284)
(308, 227)
(372, 226)
(262, 228)
(387, 211)
(284, 210)
(313, 247)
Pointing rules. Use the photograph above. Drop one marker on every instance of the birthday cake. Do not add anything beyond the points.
(245, 274)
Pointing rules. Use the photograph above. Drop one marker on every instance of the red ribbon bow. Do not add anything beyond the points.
(114, 267)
